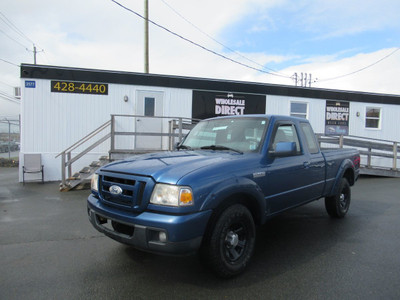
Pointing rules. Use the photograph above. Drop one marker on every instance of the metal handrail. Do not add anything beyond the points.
(66, 158)
(393, 147)
(66, 155)
(182, 125)
(86, 138)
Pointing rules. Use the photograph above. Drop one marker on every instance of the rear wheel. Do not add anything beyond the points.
(227, 249)
(337, 206)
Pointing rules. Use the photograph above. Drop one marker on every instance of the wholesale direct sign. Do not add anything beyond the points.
(229, 106)
(215, 104)
(337, 117)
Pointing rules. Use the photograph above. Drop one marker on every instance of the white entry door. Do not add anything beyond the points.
(149, 104)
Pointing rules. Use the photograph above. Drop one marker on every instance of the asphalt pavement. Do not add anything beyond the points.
(49, 250)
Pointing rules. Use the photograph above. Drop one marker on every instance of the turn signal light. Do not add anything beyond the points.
(185, 197)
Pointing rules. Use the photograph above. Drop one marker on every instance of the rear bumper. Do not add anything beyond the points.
(183, 233)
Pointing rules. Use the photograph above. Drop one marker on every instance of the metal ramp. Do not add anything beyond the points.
(379, 171)
(378, 157)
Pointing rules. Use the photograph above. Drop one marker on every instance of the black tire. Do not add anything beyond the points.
(229, 245)
(337, 206)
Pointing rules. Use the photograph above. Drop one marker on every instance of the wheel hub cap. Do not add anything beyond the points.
(232, 239)
(342, 200)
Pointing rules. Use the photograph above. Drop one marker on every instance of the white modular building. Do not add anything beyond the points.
(61, 106)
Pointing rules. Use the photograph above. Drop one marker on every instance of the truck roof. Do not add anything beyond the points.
(265, 116)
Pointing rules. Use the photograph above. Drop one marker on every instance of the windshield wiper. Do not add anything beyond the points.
(219, 147)
(184, 147)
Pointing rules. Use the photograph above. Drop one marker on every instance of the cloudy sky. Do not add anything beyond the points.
(343, 44)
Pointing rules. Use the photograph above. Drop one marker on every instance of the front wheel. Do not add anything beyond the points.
(230, 244)
(337, 206)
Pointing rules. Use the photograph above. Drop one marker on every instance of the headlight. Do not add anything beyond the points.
(172, 195)
(94, 183)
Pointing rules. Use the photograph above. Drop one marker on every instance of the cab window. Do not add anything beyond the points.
(310, 138)
(286, 133)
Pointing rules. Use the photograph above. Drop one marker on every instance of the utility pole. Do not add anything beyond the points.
(34, 54)
(295, 79)
(146, 36)
(305, 79)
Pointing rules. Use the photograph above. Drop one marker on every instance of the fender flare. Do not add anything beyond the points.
(346, 165)
(227, 189)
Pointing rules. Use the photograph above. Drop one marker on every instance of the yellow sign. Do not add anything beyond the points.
(79, 87)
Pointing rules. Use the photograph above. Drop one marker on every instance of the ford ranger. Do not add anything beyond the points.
(227, 176)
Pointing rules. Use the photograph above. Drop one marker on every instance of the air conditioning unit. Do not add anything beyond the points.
(17, 92)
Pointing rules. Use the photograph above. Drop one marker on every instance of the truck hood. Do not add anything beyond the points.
(169, 167)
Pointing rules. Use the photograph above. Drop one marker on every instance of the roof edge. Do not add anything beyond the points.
(30, 71)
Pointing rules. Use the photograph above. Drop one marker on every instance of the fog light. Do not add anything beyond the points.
(102, 220)
(162, 236)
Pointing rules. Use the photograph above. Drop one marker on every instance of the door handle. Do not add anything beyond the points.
(306, 164)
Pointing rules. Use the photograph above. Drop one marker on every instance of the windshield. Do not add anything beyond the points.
(237, 134)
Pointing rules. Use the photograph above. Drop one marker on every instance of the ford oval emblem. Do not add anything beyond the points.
(115, 190)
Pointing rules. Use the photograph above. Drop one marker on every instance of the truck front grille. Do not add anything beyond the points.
(131, 192)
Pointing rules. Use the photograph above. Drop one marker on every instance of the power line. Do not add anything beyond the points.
(46, 57)
(6, 84)
(362, 69)
(9, 98)
(196, 44)
(221, 44)
(26, 48)
(13, 27)
(6, 61)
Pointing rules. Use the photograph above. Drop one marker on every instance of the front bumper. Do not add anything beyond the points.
(183, 232)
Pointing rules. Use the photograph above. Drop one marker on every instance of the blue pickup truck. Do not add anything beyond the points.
(228, 175)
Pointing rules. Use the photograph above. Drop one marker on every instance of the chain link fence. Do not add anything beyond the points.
(9, 141)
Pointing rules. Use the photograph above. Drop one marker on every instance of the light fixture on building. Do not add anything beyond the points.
(358, 114)
(126, 98)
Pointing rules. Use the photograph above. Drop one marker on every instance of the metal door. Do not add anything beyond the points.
(287, 183)
(149, 104)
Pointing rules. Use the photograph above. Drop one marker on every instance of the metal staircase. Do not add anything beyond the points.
(69, 181)
(177, 129)
(81, 180)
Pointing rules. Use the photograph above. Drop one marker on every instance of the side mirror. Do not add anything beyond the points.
(283, 149)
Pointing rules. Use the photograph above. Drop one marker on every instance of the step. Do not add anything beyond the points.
(76, 176)
(81, 179)
(85, 170)
(95, 164)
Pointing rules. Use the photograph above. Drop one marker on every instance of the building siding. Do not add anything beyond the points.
(51, 122)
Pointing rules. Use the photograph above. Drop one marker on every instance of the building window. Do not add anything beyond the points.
(299, 109)
(149, 107)
(373, 117)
